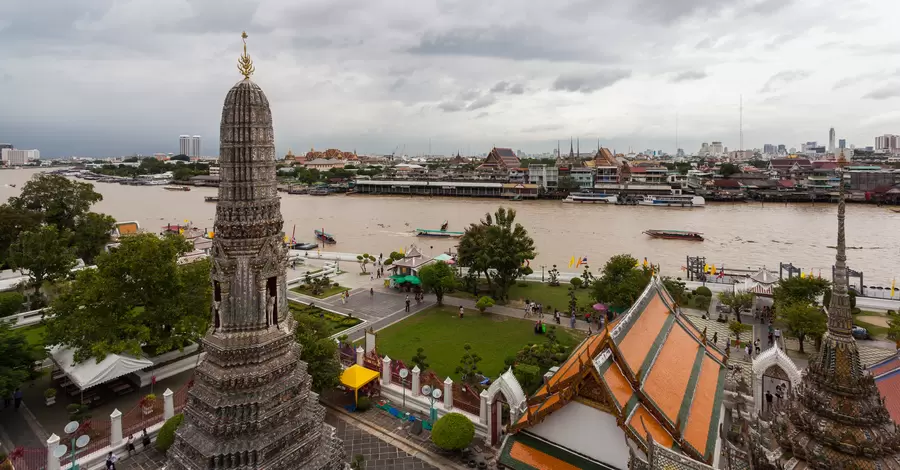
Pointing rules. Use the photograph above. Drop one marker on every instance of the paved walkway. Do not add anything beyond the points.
(381, 450)
(18, 428)
(519, 313)
(150, 459)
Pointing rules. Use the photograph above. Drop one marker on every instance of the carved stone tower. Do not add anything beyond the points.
(251, 406)
(836, 419)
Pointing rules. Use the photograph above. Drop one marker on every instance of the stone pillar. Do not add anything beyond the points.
(115, 428)
(168, 404)
(360, 356)
(414, 373)
(52, 443)
(448, 393)
(385, 371)
(483, 409)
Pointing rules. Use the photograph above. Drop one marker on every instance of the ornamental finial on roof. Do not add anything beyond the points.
(245, 64)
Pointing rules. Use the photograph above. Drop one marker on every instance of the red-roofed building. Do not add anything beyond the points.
(887, 378)
(793, 167)
(650, 378)
(501, 160)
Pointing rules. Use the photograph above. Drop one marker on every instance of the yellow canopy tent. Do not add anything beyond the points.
(356, 377)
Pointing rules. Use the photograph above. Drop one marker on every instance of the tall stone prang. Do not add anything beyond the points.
(836, 419)
(251, 406)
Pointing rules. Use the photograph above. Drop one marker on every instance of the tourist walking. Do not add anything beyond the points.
(111, 460)
(145, 440)
(556, 316)
(461, 311)
(407, 303)
(572, 320)
(129, 444)
(17, 397)
(371, 292)
(756, 345)
(769, 400)
(343, 298)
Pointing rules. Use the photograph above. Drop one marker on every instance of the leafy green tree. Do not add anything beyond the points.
(737, 301)
(529, 376)
(728, 169)
(737, 328)
(10, 303)
(166, 436)
(92, 233)
(676, 288)
(420, 359)
(438, 278)
(498, 248)
(453, 431)
(799, 289)
(802, 319)
(16, 358)
(319, 352)
(137, 296)
(468, 365)
(576, 282)
(45, 254)
(621, 282)
(364, 260)
(181, 158)
(14, 222)
(59, 200)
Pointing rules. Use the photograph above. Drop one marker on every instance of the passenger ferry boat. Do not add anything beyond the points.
(675, 235)
(211, 199)
(421, 232)
(672, 200)
(177, 188)
(592, 198)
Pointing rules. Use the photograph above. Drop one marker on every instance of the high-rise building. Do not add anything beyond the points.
(251, 407)
(717, 149)
(782, 149)
(5, 146)
(831, 140)
(887, 142)
(770, 149)
(13, 157)
(842, 143)
(184, 145)
(195, 147)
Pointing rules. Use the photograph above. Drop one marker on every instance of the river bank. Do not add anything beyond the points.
(738, 236)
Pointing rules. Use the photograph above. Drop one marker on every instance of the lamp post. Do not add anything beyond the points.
(542, 272)
(75, 442)
(404, 373)
(432, 394)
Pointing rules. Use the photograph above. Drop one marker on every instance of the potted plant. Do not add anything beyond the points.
(50, 396)
(147, 403)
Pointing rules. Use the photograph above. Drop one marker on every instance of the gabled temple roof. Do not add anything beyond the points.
(657, 373)
(501, 158)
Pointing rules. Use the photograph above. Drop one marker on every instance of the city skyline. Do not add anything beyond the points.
(381, 78)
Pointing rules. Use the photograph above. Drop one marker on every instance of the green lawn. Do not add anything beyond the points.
(338, 322)
(545, 294)
(443, 334)
(328, 292)
(35, 335)
(878, 332)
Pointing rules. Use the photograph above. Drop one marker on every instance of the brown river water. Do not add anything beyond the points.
(741, 235)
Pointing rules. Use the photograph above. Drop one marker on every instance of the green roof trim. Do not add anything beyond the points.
(717, 410)
(566, 455)
(685, 409)
(655, 348)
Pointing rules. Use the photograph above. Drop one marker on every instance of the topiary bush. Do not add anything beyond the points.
(166, 436)
(704, 291)
(10, 303)
(363, 404)
(702, 302)
(453, 432)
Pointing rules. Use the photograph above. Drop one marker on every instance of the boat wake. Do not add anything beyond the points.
(399, 234)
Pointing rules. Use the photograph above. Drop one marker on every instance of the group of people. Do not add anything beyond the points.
(780, 392)
(14, 397)
(749, 349)
(419, 297)
(112, 458)
(345, 296)
(533, 308)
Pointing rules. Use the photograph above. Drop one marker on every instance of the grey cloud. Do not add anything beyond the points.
(673, 11)
(688, 76)
(509, 88)
(451, 106)
(506, 43)
(482, 102)
(782, 39)
(766, 7)
(884, 93)
(469, 95)
(783, 78)
(587, 83)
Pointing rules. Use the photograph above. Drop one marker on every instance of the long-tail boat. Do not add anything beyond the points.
(324, 237)
(675, 235)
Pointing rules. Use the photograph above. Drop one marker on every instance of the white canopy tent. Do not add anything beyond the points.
(90, 373)
(761, 283)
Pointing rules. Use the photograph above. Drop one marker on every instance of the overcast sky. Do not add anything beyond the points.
(103, 77)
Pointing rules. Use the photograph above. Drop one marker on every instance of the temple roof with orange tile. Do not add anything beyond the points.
(659, 377)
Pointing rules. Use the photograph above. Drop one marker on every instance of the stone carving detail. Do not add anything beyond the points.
(251, 406)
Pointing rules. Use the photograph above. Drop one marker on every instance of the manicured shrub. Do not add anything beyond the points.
(702, 302)
(453, 431)
(484, 303)
(704, 291)
(363, 404)
(10, 303)
(166, 436)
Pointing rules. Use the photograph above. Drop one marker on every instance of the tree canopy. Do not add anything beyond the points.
(802, 319)
(44, 253)
(59, 200)
(737, 301)
(319, 352)
(498, 248)
(16, 358)
(621, 282)
(137, 296)
(800, 289)
(438, 278)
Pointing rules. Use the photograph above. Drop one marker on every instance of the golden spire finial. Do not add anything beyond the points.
(245, 64)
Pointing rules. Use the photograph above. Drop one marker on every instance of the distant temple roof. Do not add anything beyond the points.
(501, 158)
(653, 370)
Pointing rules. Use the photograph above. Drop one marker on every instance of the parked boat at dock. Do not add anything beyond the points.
(673, 200)
(324, 237)
(675, 235)
(304, 246)
(591, 198)
(211, 199)
(177, 188)
(319, 191)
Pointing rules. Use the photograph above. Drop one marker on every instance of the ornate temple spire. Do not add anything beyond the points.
(245, 63)
(840, 321)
